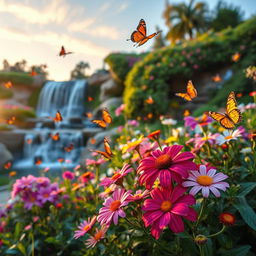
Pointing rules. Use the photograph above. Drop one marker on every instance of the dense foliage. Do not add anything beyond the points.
(156, 73)
(17, 78)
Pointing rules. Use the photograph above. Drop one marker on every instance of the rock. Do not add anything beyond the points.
(111, 103)
(38, 81)
(13, 140)
(5, 155)
(109, 89)
(99, 137)
(98, 78)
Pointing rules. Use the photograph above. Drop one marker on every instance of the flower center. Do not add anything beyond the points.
(228, 218)
(228, 137)
(115, 176)
(46, 195)
(86, 228)
(204, 180)
(98, 235)
(166, 206)
(114, 205)
(163, 162)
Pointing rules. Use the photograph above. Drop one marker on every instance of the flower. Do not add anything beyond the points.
(166, 208)
(192, 122)
(84, 227)
(113, 207)
(167, 165)
(133, 123)
(206, 180)
(93, 162)
(139, 194)
(117, 176)
(227, 218)
(201, 239)
(132, 145)
(154, 135)
(68, 175)
(93, 240)
(169, 121)
(227, 136)
(48, 193)
(108, 191)
(119, 110)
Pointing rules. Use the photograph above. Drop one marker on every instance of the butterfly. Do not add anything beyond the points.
(216, 78)
(58, 117)
(33, 72)
(69, 148)
(89, 115)
(236, 57)
(149, 100)
(89, 98)
(108, 153)
(11, 120)
(8, 85)
(7, 165)
(55, 136)
(139, 36)
(38, 161)
(63, 52)
(29, 141)
(190, 94)
(107, 119)
(232, 116)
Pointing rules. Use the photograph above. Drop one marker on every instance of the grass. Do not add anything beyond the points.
(17, 78)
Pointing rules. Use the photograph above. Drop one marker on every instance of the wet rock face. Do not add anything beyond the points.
(13, 141)
(5, 155)
(110, 88)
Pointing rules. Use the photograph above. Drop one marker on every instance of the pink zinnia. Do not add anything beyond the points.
(167, 165)
(95, 162)
(167, 207)
(206, 180)
(118, 175)
(119, 110)
(139, 195)
(84, 227)
(68, 175)
(113, 207)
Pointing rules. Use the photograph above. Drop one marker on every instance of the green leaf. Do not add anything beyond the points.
(246, 212)
(22, 248)
(246, 188)
(239, 251)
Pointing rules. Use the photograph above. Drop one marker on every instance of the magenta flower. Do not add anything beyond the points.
(133, 123)
(48, 194)
(30, 199)
(92, 162)
(113, 207)
(167, 165)
(192, 122)
(118, 175)
(84, 227)
(68, 175)
(139, 195)
(166, 208)
(206, 180)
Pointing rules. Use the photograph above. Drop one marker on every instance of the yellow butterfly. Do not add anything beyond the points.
(232, 116)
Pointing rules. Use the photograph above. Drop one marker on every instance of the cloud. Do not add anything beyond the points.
(54, 11)
(81, 26)
(105, 32)
(122, 7)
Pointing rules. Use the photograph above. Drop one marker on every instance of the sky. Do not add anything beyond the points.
(35, 30)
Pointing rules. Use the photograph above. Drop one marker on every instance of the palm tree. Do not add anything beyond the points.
(184, 20)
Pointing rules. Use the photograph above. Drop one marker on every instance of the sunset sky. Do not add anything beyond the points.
(35, 30)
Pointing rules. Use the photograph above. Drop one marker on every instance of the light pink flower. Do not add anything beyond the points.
(167, 165)
(92, 162)
(116, 176)
(100, 234)
(113, 207)
(207, 181)
(166, 208)
(119, 110)
(84, 227)
(133, 123)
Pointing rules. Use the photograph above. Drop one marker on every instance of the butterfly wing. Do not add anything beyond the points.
(62, 51)
(58, 117)
(184, 96)
(142, 28)
(223, 119)
(136, 36)
(232, 111)
(106, 116)
(100, 123)
(191, 90)
(106, 155)
(143, 41)
(107, 147)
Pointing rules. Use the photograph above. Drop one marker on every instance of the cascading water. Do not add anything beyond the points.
(68, 98)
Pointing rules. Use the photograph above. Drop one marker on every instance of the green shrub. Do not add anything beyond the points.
(121, 63)
(21, 114)
(17, 78)
(5, 93)
(157, 72)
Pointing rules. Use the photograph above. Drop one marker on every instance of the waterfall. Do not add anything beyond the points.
(67, 97)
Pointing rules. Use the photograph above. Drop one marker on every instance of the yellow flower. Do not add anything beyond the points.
(132, 145)
(171, 139)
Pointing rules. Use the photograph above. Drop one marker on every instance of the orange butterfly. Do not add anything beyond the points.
(232, 116)
(11, 120)
(216, 78)
(89, 115)
(29, 141)
(89, 98)
(63, 52)
(186, 112)
(8, 85)
(69, 148)
(93, 141)
(236, 57)
(149, 100)
(107, 119)
(33, 72)
(38, 161)
(58, 117)
(108, 153)
(7, 165)
(139, 36)
(61, 160)
(190, 94)
(55, 136)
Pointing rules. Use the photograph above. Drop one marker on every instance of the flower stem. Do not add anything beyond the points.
(215, 234)
(201, 212)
